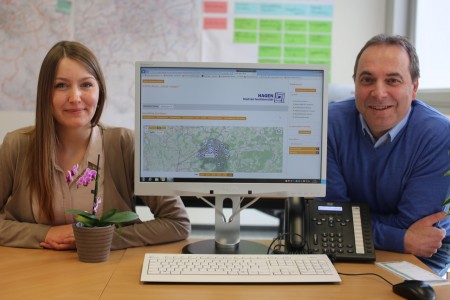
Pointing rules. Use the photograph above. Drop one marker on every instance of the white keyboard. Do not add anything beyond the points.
(260, 268)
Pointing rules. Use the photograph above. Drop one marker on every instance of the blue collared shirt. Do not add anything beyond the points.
(388, 136)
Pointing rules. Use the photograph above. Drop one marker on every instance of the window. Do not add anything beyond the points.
(426, 23)
(432, 43)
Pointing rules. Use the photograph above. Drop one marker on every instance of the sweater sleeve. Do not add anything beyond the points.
(170, 223)
(387, 237)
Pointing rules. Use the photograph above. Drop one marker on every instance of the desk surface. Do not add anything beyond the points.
(35, 274)
(48, 274)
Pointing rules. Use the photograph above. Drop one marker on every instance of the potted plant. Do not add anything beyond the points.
(93, 234)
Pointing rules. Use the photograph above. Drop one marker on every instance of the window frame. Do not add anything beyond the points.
(401, 19)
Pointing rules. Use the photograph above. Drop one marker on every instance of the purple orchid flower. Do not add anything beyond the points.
(87, 177)
(71, 173)
(96, 204)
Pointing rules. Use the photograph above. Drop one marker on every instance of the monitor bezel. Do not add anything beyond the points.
(253, 189)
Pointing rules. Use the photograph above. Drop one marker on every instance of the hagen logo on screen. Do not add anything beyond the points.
(277, 97)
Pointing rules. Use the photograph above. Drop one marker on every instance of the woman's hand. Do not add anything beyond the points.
(59, 238)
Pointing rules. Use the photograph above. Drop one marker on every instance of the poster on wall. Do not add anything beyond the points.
(286, 31)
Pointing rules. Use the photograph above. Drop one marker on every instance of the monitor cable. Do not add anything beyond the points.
(366, 274)
(278, 245)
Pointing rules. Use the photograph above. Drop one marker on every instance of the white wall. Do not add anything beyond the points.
(10, 120)
(355, 22)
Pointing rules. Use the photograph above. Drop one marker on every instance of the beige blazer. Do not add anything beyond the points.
(18, 227)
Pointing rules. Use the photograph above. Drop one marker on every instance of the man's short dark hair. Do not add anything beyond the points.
(384, 39)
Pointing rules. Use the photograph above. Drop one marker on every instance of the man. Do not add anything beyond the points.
(391, 150)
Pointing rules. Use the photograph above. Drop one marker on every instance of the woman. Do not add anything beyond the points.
(34, 191)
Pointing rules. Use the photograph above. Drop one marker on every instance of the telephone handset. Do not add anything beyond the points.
(341, 230)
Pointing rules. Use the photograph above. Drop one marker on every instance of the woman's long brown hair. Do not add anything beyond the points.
(43, 136)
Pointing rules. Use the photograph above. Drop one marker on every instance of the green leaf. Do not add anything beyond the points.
(121, 217)
(86, 221)
(447, 201)
(108, 214)
(119, 229)
(447, 173)
(81, 213)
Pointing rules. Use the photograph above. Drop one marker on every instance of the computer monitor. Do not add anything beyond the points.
(230, 130)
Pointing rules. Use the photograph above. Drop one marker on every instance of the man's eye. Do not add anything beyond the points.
(393, 81)
(366, 80)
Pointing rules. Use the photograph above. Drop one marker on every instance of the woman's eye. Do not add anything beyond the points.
(86, 85)
(60, 85)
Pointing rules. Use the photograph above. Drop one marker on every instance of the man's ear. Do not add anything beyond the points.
(415, 88)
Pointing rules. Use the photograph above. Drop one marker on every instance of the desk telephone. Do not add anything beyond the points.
(343, 231)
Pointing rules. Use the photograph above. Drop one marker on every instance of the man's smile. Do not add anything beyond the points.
(380, 107)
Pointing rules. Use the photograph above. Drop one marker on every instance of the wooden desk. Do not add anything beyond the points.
(125, 282)
(47, 274)
(38, 274)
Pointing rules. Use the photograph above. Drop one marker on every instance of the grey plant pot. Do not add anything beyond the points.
(93, 243)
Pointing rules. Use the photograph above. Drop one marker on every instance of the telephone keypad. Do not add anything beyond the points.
(329, 244)
(334, 237)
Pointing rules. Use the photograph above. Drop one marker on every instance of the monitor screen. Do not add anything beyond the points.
(230, 129)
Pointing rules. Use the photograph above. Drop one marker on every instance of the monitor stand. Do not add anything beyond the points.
(227, 240)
